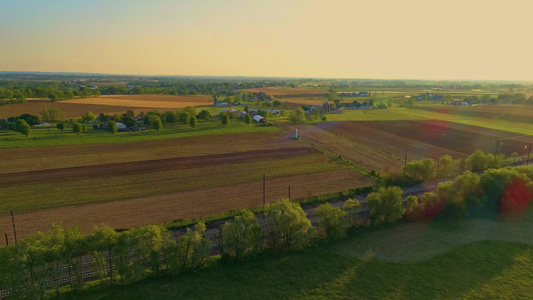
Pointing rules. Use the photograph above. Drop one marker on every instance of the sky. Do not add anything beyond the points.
(408, 39)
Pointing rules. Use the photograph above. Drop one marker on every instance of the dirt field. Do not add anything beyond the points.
(42, 158)
(112, 104)
(71, 110)
(139, 183)
(152, 101)
(292, 92)
(382, 145)
(187, 204)
(517, 113)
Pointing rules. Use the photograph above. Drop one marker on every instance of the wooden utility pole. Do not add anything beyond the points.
(7, 241)
(404, 165)
(289, 193)
(14, 229)
(437, 176)
(528, 152)
(264, 186)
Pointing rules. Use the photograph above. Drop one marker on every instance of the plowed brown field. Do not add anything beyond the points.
(516, 113)
(108, 104)
(187, 204)
(139, 183)
(382, 145)
(291, 92)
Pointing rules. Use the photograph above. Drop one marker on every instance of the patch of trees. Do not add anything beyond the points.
(117, 257)
(128, 256)
(417, 171)
(497, 192)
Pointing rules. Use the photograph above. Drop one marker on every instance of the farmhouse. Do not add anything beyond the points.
(121, 126)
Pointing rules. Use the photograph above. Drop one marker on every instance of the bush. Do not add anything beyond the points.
(61, 126)
(332, 220)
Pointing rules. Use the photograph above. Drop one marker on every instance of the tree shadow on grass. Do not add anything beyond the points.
(450, 275)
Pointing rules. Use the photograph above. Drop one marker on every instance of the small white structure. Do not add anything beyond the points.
(121, 125)
(42, 124)
(259, 119)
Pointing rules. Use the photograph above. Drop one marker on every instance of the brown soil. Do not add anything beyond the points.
(181, 205)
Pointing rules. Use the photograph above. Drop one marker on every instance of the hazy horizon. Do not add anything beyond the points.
(414, 39)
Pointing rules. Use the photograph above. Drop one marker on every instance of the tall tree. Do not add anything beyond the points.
(77, 128)
(288, 225)
(385, 205)
(242, 236)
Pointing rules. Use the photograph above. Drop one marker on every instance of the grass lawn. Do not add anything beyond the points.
(55, 137)
(478, 270)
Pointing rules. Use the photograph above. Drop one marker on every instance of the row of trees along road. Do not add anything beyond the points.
(127, 256)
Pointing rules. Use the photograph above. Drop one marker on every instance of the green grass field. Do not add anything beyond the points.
(444, 263)
(55, 137)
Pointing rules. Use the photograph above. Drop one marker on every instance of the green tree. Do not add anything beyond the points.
(52, 114)
(297, 116)
(185, 117)
(242, 236)
(19, 124)
(289, 227)
(77, 128)
(277, 103)
(420, 170)
(462, 197)
(191, 110)
(247, 119)
(88, 117)
(156, 123)
(112, 127)
(170, 116)
(61, 125)
(30, 119)
(117, 117)
(193, 122)
(25, 130)
(411, 212)
(129, 121)
(191, 250)
(224, 119)
(75, 246)
(351, 207)
(332, 220)
(385, 205)
(445, 166)
(204, 114)
(103, 238)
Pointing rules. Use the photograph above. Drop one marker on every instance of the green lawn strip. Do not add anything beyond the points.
(54, 137)
(28, 196)
(477, 270)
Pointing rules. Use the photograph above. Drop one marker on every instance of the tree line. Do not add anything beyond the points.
(418, 171)
(38, 262)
